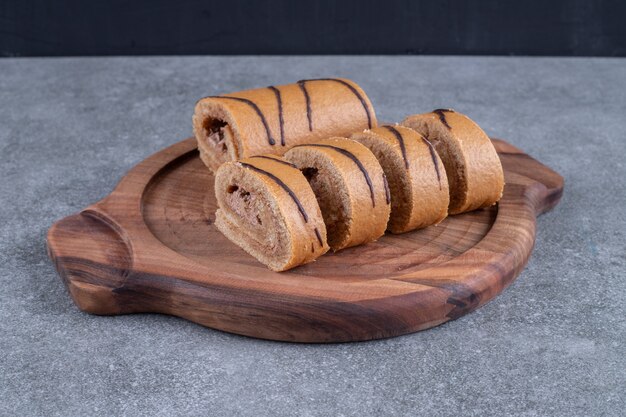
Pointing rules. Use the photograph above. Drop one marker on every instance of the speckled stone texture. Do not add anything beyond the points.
(553, 344)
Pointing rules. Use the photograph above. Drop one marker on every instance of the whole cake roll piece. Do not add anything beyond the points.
(350, 187)
(416, 176)
(272, 120)
(472, 165)
(267, 207)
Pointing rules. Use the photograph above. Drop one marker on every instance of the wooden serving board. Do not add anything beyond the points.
(151, 246)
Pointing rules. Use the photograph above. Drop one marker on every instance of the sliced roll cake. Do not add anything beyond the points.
(273, 119)
(350, 187)
(267, 207)
(416, 176)
(472, 165)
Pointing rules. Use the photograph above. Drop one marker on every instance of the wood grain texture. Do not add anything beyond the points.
(151, 246)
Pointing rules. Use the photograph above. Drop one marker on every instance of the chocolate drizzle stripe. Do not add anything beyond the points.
(319, 237)
(281, 121)
(433, 156)
(280, 161)
(400, 139)
(387, 192)
(441, 113)
(280, 183)
(354, 159)
(351, 88)
(307, 98)
(258, 111)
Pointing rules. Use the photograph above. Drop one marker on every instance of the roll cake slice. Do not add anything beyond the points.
(350, 187)
(272, 120)
(267, 207)
(417, 179)
(472, 165)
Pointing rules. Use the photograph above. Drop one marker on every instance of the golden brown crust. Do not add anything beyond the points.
(272, 120)
(417, 179)
(473, 167)
(351, 189)
(267, 207)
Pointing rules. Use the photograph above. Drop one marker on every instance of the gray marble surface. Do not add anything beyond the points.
(553, 344)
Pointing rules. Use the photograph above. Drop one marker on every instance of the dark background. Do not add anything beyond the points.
(160, 27)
